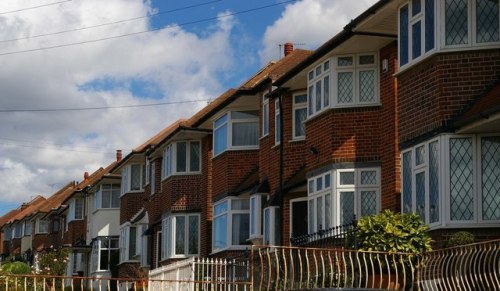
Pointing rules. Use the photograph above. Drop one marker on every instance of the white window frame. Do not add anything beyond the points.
(256, 215)
(148, 172)
(265, 115)
(28, 228)
(98, 248)
(318, 74)
(170, 159)
(169, 233)
(73, 215)
(298, 106)
(41, 226)
(126, 182)
(355, 69)
(125, 243)
(18, 230)
(229, 136)
(313, 193)
(270, 231)
(153, 178)
(229, 226)
(277, 122)
(98, 205)
(290, 216)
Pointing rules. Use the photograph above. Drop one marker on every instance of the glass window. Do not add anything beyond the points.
(356, 80)
(244, 130)
(299, 115)
(153, 177)
(319, 88)
(490, 173)
(136, 177)
(180, 235)
(403, 35)
(487, 19)
(429, 25)
(148, 172)
(181, 157)
(220, 134)
(461, 179)
(28, 228)
(265, 116)
(231, 226)
(277, 122)
(194, 158)
(132, 243)
(456, 27)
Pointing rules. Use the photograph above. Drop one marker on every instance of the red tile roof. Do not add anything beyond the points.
(26, 209)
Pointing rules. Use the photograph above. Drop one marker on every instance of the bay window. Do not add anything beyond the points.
(107, 197)
(41, 226)
(18, 230)
(256, 202)
(338, 197)
(181, 236)
(7, 233)
(231, 224)
(182, 157)
(271, 222)
(236, 130)
(277, 122)
(130, 246)
(131, 179)
(28, 228)
(299, 115)
(458, 174)
(265, 115)
(76, 209)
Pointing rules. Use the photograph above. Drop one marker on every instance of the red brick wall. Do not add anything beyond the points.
(434, 91)
(130, 270)
(130, 204)
(40, 241)
(76, 231)
(16, 246)
(230, 167)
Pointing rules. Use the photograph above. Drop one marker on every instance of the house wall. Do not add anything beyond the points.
(130, 204)
(104, 222)
(16, 246)
(431, 93)
(26, 243)
(76, 230)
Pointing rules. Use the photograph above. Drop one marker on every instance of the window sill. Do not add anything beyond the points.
(264, 136)
(129, 262)
(132, 192)
(297, 139)
(231, 248)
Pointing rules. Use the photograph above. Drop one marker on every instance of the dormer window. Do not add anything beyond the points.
(236, 130)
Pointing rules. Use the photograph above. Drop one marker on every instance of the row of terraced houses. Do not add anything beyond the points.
(400, 110)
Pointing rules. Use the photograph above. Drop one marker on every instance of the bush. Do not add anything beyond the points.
(393, 232)
(460, 238)
(17, 268)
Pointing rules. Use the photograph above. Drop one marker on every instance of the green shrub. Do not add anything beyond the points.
(460, 238)
(393, 232)
(17, 268)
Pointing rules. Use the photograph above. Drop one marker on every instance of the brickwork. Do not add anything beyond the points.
(130, 204)
(431, 93)
(229, 169)
(76, 231)
(130, 270)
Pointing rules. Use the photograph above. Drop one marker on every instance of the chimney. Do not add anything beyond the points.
(86, 176)
(118, 155)
(288, 48)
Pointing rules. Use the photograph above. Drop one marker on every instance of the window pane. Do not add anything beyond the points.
(115, 197)
(416, 38)
(368, 203)
(299, 99)
(194, 159)
(267, 225)
(265, 117)
(326, 91)
(487, 21)
(345, 85)
(220, 232)
(311, 216)
(318, 95)
(222, 120)
(456, 22)
(318, 70)
(420, 194)
(367, 60)
(245, 114)
(220, 139)
(407, 184)
(241, 225)
(367, 86)
(241, 204)
(461, 179)
(310, 100)
(180, 235)
(319, 213)
(403, 35)
(319, 183)
(132, 243)
(135, 182)
(300, 117)
(345, 61)
(194, 226)
(220, 208)
(181, 156)
(429, 25)
(434, 182)
(419, 155)
(490, 173)
(311, 186)
(328, 211)
(327, 181)
(245, 133)
(104, 260)
(106, 200)
(368, 177)
(346, 207)
(326, 66)
(311, 75)
(277, 129)
(346, 178)
(253, 215)
(416, 7)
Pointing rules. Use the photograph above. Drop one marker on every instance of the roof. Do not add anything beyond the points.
(487, 104)
(331, 44)
(26, 209)
(8, 216)
(160, 136)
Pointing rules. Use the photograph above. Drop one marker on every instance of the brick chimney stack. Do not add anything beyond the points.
(86, 176)
(288, 48)
(118, 155)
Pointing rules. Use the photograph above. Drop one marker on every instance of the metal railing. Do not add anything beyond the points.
(470, 267)
(343, 236)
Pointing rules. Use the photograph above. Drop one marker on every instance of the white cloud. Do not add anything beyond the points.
(93, 75)
(310, 22)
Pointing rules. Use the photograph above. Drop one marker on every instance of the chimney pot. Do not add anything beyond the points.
(118, 155)
(86, 176)
(288, 48)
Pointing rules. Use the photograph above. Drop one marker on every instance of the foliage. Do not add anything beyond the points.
(17, 268)
(53, 262)
(460, 238)
(393, 232)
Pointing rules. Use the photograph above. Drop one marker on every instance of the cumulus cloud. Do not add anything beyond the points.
(43, 151)
(310, 23)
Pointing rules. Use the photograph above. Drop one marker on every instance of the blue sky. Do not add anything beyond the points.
(41, 151)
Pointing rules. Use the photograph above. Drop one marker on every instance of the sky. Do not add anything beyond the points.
(80, 54)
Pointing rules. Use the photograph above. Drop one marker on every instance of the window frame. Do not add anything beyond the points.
(229, 223)
(97, 249)
(256, 216)
(153, 178)
(148, 172)
(277, 122)
(126, 181)
(355, 69)
(39, 223)
(25, 226)
(229, 131)
(298, 106)
(316, 75)
(265, 116)
(124, 243)
(169, 163)
(169, 236)
(99, 196)
(272, 236)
